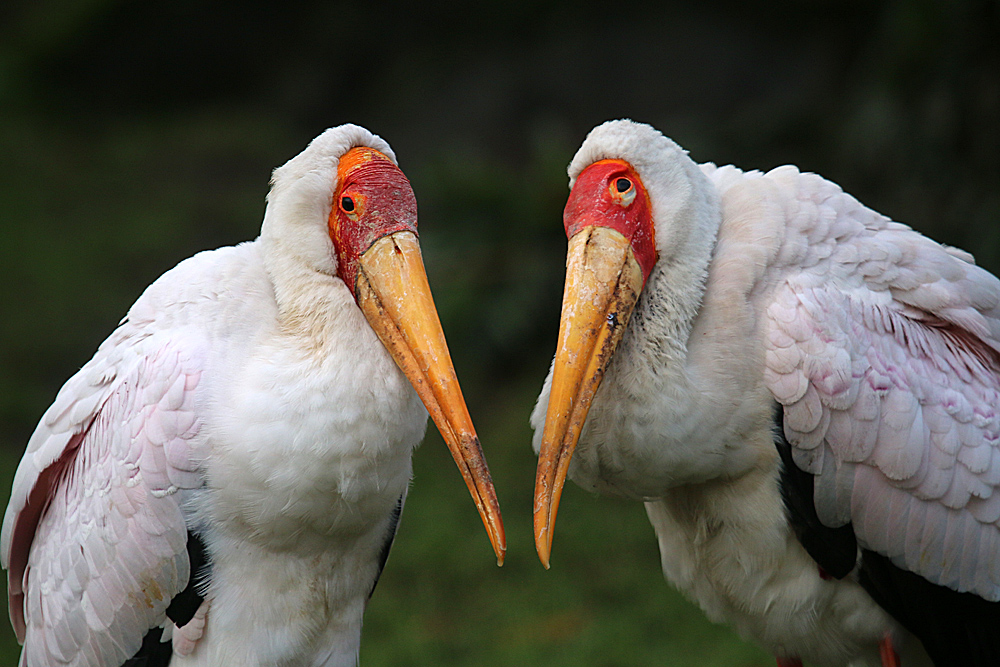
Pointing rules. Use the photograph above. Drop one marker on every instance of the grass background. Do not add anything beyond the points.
(134, 134)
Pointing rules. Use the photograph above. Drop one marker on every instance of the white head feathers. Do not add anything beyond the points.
(685, 205)
(298, 205)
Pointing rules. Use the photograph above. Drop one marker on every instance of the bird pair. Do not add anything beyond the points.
(802, 391)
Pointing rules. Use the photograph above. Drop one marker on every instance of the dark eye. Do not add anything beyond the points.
(623, 185)
(347, 204)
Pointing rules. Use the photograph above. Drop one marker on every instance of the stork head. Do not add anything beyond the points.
(637, 207)
(344, 208)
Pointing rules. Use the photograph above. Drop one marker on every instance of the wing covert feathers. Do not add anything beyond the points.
(94, 538)
(882, 346)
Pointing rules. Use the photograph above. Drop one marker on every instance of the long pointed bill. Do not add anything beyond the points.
(603, 281)
(393, 293)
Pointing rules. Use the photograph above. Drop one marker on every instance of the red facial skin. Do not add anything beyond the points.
(383, 203)
(596, 200)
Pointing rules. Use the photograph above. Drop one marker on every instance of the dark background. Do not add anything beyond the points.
(133, 134)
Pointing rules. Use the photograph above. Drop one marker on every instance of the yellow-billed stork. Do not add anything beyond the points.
(803, 392)
(221, 483)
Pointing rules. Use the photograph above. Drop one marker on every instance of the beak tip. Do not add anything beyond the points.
(501, 551)
(543, 543)
(544, 550)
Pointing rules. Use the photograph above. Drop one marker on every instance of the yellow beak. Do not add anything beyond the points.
(603, 281)
(393, 293)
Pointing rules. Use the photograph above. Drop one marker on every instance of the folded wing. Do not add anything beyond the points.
(94, 538)
(882, 346)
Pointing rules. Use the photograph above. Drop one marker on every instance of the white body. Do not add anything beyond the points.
(245, 397)
(781, 288)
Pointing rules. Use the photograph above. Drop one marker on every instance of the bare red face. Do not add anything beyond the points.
(373, 199)
(610, 194)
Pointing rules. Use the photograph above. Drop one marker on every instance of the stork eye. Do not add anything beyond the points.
(347, 204)
(622, 191)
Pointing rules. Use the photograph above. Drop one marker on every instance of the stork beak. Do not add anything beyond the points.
(393, 293)
(603, 281)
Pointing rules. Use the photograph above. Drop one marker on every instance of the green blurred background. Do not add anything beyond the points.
(133, 134)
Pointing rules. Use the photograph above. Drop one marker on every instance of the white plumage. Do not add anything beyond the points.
(880, 345)
(245, 399)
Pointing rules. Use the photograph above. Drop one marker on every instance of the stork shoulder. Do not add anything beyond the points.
(172, 310)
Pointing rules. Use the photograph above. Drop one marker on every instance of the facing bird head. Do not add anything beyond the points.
(637, 203)
(371, 221)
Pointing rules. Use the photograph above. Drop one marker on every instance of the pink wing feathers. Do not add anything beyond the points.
(883, 348)
(94, 536)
